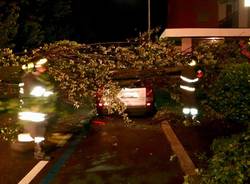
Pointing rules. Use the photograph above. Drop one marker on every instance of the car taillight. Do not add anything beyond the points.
(149, 97)
(149, 92)
(97, 122)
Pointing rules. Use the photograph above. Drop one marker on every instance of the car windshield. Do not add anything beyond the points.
(130, 79)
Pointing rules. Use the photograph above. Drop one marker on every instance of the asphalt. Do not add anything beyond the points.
(114, 153)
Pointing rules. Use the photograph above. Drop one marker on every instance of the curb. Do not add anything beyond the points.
(186, 163)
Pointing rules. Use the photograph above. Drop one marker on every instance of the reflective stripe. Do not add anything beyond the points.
(187, 88)
(189, 80)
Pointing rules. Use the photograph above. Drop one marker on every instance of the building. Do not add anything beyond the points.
(192, 20)
(192, 13)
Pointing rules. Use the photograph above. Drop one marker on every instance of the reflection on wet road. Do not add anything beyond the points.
(13, 165)
(115, 153)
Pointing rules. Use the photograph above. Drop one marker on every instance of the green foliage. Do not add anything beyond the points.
(80, 70)
(9, 13)
(10, 105)
(8, 58)
(9, 133)
(230, 162)
(57, 23)
(9, 129)
(219, 52)
(27, 24)
(31, 35)
(230, 94)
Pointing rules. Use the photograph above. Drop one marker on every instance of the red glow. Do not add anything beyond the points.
(200, 73)
(96, 122)
(149, 92)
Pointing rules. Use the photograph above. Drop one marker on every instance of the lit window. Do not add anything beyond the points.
(247, 3)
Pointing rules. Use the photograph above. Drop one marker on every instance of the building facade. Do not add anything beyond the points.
(208, 14)
(200, 19)
(192, 13)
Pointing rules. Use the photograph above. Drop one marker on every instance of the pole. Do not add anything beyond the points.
(149, 17)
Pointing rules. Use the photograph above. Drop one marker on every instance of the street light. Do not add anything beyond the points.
(247, 3)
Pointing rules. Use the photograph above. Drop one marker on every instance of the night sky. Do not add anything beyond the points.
(28, 24)
(116, 20)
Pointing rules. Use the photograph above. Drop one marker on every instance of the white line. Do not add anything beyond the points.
(31, 175)
(186, 163)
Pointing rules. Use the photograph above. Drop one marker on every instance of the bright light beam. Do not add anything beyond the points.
(247, 3)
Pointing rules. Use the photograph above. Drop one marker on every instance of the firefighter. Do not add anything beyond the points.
(188, 84)
(36, 97)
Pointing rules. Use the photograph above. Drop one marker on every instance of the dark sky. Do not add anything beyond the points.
(116, 20)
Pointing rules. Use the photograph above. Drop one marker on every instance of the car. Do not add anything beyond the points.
(137, 94)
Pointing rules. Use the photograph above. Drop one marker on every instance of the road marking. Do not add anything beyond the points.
(32, 174)
(186, 163)
(54, 170)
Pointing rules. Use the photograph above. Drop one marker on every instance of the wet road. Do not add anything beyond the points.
(13, 165)
(17, 158)
(113, 153)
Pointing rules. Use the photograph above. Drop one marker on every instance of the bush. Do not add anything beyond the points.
(230, 94)
(230, 163)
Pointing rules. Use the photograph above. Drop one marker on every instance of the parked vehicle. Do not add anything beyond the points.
(136, 93)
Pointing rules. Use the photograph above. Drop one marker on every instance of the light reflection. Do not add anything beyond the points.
(247, 3)
(187, 88)
(24, 137)
(21, 84)
(186, 111)
(21, 91)
(192, 111)
(189, 80)
(38, 139)
(41, 62)
(192, 63)
(47, 93)
(32, 116)
(40, 91)
(28, 66)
